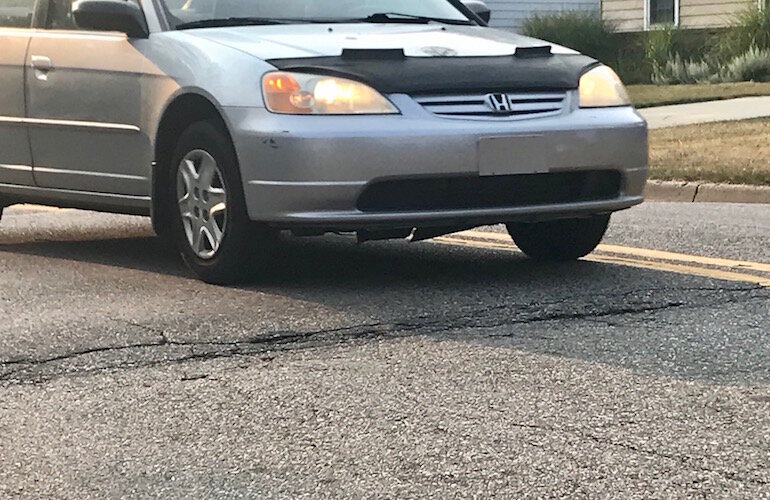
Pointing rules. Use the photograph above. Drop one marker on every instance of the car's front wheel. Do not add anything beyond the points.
(209, 221)
(559, 240)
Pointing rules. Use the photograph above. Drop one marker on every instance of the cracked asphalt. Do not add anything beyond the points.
(389, 369)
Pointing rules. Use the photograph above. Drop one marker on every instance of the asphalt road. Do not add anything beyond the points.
(385, 370)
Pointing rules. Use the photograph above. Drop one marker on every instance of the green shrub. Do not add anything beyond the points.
(701, 72)
(583, 31)
(631, 61)
(750, 30)
(676, 70)
(641, 57)
(659, 46)
(693, 48)
(753, 66)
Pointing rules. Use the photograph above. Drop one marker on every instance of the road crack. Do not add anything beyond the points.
(166, 350)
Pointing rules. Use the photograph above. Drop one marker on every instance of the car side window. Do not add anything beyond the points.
(16, 13)
(60, 15)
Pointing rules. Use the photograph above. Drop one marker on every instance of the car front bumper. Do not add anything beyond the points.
(310, 171)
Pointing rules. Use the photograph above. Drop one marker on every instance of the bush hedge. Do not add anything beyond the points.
(635, 56)
(753, 66)
(583, 31)
(750, 30)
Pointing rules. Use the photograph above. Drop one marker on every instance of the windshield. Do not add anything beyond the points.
(192, 11)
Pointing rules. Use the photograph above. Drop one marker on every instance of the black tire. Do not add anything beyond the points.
(559, 240)
(233, 262)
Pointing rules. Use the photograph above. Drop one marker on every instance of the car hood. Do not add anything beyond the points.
(411, 59)
(307, 41)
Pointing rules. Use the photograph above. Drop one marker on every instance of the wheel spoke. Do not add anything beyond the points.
(207, 172)
(197, 236)
(189, 175)
(209, 232)
(185, 207)
(216, 231)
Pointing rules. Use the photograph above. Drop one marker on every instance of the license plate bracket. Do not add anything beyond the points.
(511, 155)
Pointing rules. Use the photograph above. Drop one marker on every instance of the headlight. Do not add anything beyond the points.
(601, 88)
(301, 94)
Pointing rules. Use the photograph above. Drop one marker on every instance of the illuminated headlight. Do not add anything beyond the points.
(302, 94)
(601, 88)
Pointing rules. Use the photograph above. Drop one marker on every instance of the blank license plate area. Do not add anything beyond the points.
(510, 155)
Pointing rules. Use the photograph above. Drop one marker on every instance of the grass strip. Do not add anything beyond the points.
(729, 152)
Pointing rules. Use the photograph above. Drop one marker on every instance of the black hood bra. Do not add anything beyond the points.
(390, 71)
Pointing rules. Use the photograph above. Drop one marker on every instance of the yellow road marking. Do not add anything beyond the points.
(643, 252)
(690, 259)
(635, 257)
(681, 269)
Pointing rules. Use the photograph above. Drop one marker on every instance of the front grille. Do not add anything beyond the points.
(522, 105)
(474, 192)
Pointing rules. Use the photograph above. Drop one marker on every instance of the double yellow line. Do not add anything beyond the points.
(694, 265)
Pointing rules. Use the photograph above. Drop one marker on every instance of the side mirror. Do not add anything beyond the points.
(124, 16)
(479, 8)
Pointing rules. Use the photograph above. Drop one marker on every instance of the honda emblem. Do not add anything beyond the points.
(500, 103)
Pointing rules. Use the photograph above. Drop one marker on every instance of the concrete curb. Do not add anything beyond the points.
(705, 192)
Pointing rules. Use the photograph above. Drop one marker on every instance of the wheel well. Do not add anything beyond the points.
(182, 112)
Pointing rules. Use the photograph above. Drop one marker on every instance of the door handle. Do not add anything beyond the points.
(42, 63)
(42, 66)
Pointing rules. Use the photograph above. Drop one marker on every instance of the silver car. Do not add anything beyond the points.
(228, 121)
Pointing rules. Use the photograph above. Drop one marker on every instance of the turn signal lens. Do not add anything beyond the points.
(299, 93)
(282, 93)
(602, 88)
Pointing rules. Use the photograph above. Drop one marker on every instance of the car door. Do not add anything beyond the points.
(85, 108)
(15, 159)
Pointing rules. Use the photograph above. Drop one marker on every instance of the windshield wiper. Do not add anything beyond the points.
(232, 21)
(397, 17)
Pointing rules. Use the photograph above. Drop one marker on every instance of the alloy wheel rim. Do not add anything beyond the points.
(202, 201)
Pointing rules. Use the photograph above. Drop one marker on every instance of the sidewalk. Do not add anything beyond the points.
(744, 108)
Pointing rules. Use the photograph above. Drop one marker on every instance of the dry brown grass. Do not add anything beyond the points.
(732, 152)
(645, 96)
